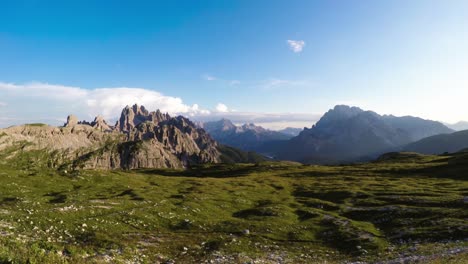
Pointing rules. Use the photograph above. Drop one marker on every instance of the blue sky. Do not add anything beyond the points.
(210, 59)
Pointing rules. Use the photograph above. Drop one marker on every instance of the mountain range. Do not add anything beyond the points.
(247, 137)
(343, 134)
(346, 134)
(139, 139)
(144, 139)
(459, 126)
(439, 144)
(291, 131)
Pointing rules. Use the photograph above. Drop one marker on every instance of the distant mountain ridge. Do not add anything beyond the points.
(292, 131)
(247, 137)
(459, 126)
(347, 134)
(440, 144)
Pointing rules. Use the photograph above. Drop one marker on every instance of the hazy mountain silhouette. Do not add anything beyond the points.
(248, 137)
(292, 131)
(346, 134)
(459, 126)
(440, 143)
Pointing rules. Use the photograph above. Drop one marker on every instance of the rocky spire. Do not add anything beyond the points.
(72, 120)
(133, 116)
(100, 123)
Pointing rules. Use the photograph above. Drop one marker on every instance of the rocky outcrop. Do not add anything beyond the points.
(178, 135)
(140, 139)
(130, 155)
(69, 138)
(100, 124)
(71, 121)
(132, 116)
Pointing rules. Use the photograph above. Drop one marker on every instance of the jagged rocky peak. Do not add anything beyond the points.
(252, 126)
(100, 123)
(72, 120)
(341, 112)
(135, 115)
(221, 125)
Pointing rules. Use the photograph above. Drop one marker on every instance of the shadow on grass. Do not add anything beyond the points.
(203, 171)
(131, 193)
(57, 197)
(311, 174)
(454, 171)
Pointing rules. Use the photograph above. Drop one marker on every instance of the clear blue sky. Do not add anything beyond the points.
(401, 57)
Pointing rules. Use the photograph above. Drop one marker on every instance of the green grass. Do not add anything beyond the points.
(305, 214)
(36, 124)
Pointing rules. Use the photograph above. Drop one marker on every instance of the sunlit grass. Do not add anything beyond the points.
(303, 213)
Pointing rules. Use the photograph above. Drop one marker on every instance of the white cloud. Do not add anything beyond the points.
(222, 108)
(296, 45)
(48, 103)
(38, 89)
(209, 77)
(109, 101)
(49, 99)
(274, 83)
(2, 104)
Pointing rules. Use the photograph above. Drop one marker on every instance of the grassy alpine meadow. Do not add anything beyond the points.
(406, 207)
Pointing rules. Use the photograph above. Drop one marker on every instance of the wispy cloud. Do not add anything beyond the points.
(209, 77)
(296, 45)
(3, 104)
(274, 83)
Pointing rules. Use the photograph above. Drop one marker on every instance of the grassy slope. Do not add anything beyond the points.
(234, 155)
(299, 213)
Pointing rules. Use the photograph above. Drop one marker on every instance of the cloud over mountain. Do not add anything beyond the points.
(222, 108)
(87, 103)
(50, 103)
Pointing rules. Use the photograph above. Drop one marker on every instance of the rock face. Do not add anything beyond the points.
(100, 124)
(132, 116)
(71, 121)
(140, 139)
(347, 134)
